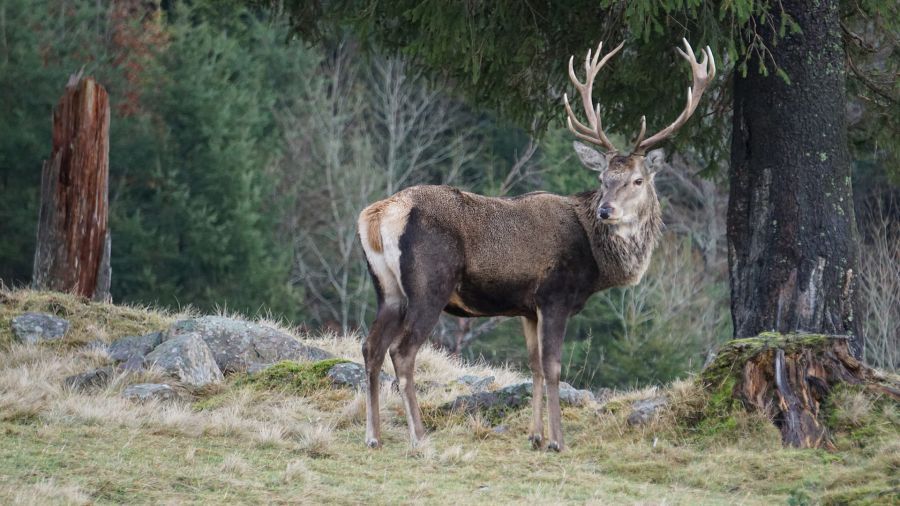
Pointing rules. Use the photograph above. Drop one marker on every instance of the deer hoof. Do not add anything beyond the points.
(373, 443)
(536, 441)
(554, 446)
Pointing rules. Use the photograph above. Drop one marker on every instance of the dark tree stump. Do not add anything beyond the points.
(789, 377)
(73, 242)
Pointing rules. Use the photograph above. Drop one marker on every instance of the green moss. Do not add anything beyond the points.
(737, 352)
(300, 378)
(717, 418)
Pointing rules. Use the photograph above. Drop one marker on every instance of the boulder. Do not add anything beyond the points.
(33, 328)
(644, 410)
(353, 375)
(239, 345)
(143, 392)
(188, 358)
(90, 380)
(132, 347)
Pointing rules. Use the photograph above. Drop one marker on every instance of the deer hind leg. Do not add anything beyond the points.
(380, 226)
(552, 330)
(429, 293)
(530, 328)
(384, 329)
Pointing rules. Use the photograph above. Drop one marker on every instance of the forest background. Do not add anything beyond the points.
(245, 142)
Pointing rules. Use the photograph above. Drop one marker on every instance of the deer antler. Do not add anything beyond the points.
(593, 131)
(703, 72)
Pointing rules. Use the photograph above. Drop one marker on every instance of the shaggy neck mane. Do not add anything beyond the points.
(630, 253)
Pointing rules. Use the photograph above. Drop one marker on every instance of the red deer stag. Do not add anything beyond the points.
(538, 256)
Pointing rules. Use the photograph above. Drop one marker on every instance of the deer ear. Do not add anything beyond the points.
(655, 161)
(591, 158)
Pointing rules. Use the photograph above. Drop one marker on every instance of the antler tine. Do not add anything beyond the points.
(593, 131)
(640, 136)
(703, 73)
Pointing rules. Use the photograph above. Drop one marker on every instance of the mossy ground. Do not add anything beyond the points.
(248, 444)
(293, 377)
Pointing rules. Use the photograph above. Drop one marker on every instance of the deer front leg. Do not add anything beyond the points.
(552, 331)
(530, 327)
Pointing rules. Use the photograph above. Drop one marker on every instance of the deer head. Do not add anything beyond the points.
(626, 181)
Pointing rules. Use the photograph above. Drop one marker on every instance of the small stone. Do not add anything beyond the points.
(476, 383)
(128, 347)
(188, 358)
(353, 375)
(513, 397)
(500, 429)
(90, 380)
(33, 328)
(573, 396)
(133, 364)
(143, 392)
(644, 410)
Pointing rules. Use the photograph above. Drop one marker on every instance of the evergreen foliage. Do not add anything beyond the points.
(193, 214)
(511, 56)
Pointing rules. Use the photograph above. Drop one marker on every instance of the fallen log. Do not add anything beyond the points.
(789, 378)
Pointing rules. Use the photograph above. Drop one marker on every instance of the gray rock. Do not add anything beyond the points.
(353, 375)
(499, 403)
(567, 393)
(90, 380)
(33, 328)
(188, 358)
(573, 396)
(603, 394)
(237, 345)
(133, 364)
(477, 383)
(513, 397)
(130, 347)
(644, 410)
(143, 392)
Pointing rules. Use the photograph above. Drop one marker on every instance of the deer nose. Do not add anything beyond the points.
(605, 212)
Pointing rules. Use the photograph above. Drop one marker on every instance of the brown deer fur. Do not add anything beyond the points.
(538, 256)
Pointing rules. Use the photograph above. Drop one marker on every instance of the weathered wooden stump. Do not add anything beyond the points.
(789, 378)
(73, 242)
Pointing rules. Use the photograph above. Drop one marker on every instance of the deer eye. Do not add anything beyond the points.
(638, 182)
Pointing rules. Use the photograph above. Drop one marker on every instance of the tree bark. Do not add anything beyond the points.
(791, 229)
(73, 242)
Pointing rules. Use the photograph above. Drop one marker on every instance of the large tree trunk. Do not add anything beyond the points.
(791, 229)
(73, 242)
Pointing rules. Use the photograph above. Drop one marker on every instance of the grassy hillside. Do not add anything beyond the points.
(243, 443)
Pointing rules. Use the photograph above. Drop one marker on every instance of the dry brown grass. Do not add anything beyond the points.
(243, 445)
(50, 492)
